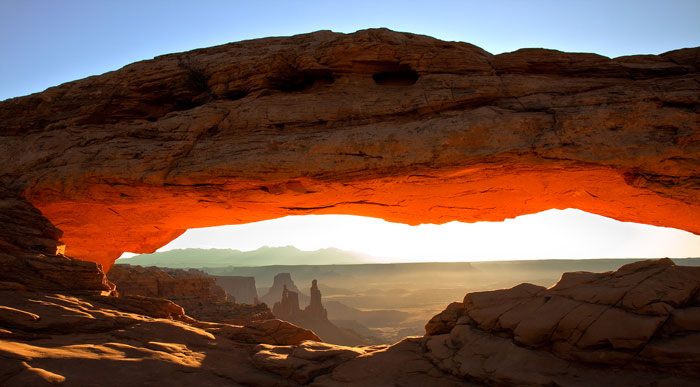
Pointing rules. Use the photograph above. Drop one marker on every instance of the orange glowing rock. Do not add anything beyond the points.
(376, 123)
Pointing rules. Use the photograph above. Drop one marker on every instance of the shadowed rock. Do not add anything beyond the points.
(376, 123)
(315, 317)
(199, 294)
(241, 288)
(281, 282)
(641, 318)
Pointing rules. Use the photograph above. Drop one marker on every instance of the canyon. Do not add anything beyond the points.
(282, 283)
(376, 123)
(199, 294)
(241, 288)
(315, 318)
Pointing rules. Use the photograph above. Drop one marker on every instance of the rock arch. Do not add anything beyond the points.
(376, 123)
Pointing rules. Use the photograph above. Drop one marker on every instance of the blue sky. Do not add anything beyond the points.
(48, 42)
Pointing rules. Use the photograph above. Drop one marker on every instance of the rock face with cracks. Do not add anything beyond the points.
(377, 123)
(174, 284)
(199, 294)
(637, 326)
(643, 318)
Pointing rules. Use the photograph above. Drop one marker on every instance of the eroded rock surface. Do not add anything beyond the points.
(637, 326)
(198, 293)
(61, 322)
(281, 282)
(88, 336)
(640, 320)
(174, 284)
(242, 289)
(315, 317)
(377, 123)
(82, 340)
(30, 253)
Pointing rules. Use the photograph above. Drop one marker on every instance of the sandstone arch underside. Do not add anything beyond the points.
(377, 123)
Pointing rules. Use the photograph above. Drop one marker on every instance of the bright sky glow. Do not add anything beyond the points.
(48, 42)
(553, 234)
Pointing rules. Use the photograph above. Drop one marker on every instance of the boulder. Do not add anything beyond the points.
(640, 320)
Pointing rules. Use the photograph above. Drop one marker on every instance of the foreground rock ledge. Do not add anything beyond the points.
(643, 319)
(377, 123)
(637, 326)
(60, 321)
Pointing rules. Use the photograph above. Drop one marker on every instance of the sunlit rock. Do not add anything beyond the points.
(199, 294)
(640, 317)
(376, 123)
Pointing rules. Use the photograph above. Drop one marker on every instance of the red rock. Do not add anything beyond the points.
(272, 331)
(573, 330)
(280, 282)
(196, 292)
(377, 123)
(446, 320)
(174, 284)
(79, 339)
(288, 307)
(315, 309)
(314, 316)
(242, 289)
(304, 362)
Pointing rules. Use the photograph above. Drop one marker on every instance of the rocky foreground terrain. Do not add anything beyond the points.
(61, 321)
(376, 123)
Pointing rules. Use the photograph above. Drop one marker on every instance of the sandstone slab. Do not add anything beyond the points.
(640, 319)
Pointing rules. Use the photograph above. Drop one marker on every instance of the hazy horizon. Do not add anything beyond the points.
(361, 259)
(552, 234)
(50, 43)
(126, 256)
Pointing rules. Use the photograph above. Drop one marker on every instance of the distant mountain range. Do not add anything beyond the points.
(264, 256)
(292, 256)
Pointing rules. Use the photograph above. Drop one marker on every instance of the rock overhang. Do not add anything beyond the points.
(377, 123)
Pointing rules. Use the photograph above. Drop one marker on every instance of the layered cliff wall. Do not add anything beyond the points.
(199, 294)
(174, 284)
(377, 123)
(242, 289)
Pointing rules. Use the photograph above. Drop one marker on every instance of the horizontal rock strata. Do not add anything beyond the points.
(61, 322)
(174, 284)
(242, 289)
(198, 293)
(641, 320)
(636, 326)
(377, 123)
